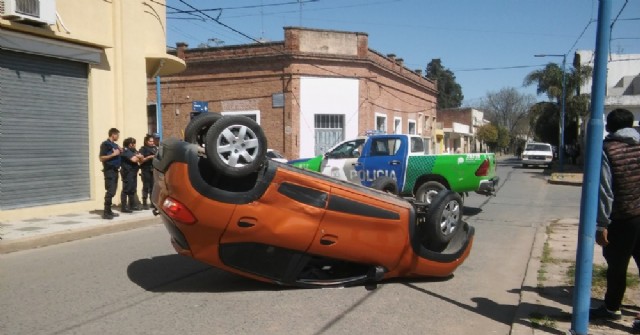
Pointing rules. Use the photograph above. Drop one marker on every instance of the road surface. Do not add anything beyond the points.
(133, 282)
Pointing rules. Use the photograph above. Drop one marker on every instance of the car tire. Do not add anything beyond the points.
(385, 184)
(196, 131)
(236, 146)
(444, 219)
(428, 191)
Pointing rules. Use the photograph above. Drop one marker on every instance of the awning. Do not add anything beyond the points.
(48, 47)
(164, 65)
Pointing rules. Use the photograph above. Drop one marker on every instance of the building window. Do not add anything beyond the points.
(397, 125)
(252, 114)
(152, 119)
(411, 127)
(329, 131)
(381, 122)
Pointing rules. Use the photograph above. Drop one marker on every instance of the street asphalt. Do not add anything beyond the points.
(45, 231)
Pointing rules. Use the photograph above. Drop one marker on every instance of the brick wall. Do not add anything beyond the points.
(458, 115)
(242, 78)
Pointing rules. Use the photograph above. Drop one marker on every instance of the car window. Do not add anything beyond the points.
(385, 146)
(349, 149)
(417, 144)
(538, 147)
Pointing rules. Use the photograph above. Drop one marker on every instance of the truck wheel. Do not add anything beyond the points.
(385, 184)
(444, 218)
(427, 191)
(236, 146)
(196, 130)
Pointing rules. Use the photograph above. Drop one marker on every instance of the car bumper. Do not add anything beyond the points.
(488, 187)
(536, 162)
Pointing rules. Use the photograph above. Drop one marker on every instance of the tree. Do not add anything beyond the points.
(488, 133)
(549, 81)
(508, 109)
(449, 91)
(504, 139)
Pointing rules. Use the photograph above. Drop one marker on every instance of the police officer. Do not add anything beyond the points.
(148, 150)
(110, 157)
(129, 173)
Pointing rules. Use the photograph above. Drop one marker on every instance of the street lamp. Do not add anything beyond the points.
(562, 113)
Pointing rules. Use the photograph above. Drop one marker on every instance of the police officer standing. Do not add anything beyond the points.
(148, 150)
(129, 172)
(110, 158)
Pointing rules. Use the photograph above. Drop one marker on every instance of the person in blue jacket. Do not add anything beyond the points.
(129, 173)
(110, 157)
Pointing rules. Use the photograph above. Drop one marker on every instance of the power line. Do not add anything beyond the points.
(591, 20)
(614, 22)
(580, 37)
(216, 20)
(367, 4)
(499, 68)
(241, 7)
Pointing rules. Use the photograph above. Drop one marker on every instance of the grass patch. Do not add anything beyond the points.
(549, 229)
(545, 259)
(539, 320)
(599, 277)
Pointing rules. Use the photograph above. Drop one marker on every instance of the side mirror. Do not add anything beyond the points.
(356, 153)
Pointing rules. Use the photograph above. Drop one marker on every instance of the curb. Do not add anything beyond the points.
(72, 235)
(566, 178)
(527, 298)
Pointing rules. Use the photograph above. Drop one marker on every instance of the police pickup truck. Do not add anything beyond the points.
(398, 164)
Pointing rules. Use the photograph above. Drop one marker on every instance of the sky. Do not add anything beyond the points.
(488, 44)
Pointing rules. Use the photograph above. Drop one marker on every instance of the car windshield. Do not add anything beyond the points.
(538, 147)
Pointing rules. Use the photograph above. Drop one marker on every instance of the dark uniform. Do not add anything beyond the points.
(110, 170)
(129, 173)
(147, 172)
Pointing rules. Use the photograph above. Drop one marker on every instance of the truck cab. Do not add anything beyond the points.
(403, 158)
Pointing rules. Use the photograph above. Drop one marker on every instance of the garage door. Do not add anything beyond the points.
(44, 154)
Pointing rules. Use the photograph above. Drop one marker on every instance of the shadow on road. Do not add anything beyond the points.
(471, 211)
(175, 273)
(499, 312)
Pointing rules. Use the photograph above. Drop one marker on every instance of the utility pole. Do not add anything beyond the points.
(591, 182)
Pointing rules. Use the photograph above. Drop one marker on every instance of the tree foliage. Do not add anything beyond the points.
(545, 116)
(507, 109)
(504, 139)
(449, 91)
(488, 133)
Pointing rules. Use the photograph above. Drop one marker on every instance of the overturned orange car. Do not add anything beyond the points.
(225, 204)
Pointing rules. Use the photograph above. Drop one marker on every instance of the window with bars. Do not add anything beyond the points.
(329, 121)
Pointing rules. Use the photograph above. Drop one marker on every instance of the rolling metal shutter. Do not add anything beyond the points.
(44, 153)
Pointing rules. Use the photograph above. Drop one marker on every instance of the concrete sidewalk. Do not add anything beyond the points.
(546, 295)
(43, 231)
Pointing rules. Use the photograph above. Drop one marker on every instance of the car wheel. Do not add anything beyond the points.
(196, 130)
(428, 191)
(236, 146)
(444, 219)
(385, 184)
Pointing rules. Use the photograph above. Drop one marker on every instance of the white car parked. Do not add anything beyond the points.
(537, 154)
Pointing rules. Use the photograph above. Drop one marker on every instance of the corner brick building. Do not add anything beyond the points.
(310, 91)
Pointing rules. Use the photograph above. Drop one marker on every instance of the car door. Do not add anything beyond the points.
(385, 157)
(340, 161)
